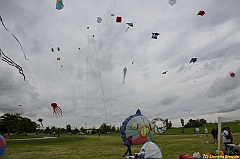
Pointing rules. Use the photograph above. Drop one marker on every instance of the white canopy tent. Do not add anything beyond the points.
(225, 118)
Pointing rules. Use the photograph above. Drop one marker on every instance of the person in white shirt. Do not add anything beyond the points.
(226, 139)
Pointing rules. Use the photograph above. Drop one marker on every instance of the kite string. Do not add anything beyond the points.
(100, 79)
(92, 69)
(15, 38)
(11, 63)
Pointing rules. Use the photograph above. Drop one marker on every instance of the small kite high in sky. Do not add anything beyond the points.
(41, 120)
(59, 5)
(201, 12)
(193, 60)
(118, 19)
(129, 24)
(99, 19)
(172, 2)
(11, 62)
(165, 72)
(124, 74)
(232, 74)
(57, 111)
(154, 35)
(14, 37)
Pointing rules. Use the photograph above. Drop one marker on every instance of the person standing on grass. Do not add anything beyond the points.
(206, 131)
(197, 131)
(128, 143)
(215, 134)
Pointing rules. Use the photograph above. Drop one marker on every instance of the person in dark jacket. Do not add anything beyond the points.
(215, 134)
(128, 143)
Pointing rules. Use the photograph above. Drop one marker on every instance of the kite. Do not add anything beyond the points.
(132, 62)
(112, 15)
(57, 111)
(11, 62)
(159, 125)
(58, 49)
(99, 19)
(20, 105)
(59, 5)
(119, 19)
(165, 72)
(58, 58)
(14, 37)
(154, 35)
(124, 75)
(129, 24)
(172, 2)
(201, 12)
(40, 120)
(232, 74)
(192, 60)
(137, 126)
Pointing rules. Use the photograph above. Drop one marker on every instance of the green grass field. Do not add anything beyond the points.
(172, 144)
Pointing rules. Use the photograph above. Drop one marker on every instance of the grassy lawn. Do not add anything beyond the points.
(172, 144)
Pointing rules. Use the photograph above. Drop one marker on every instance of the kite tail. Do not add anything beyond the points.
(15, 38)
(11, 63)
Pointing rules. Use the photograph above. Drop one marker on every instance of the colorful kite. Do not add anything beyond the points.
(41, 120)
(159, 125)
(232, 74)
(201, 12)
(118, 19)
(14, 37)
(137, 126)
(59, 5)
(11, 62)
(57, 111)
(154, 35)
(172, 2)
(129, 24)
(124, 74)
(99, 19)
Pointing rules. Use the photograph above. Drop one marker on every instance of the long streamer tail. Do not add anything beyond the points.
(15, 38)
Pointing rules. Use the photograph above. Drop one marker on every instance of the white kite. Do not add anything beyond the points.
(124, 74)
(172, 2)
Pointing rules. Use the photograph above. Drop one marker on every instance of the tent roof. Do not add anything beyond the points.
(228, 118)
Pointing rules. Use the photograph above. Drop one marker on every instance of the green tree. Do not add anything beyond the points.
(47, 130)
(182, 123)
(69, 128)
(14, 123)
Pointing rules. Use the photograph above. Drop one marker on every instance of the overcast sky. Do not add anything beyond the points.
(93, 92)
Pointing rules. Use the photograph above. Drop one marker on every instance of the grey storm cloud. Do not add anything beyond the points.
(93, 92)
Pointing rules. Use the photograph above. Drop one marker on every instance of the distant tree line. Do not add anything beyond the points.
(14, 123)
(195, 123)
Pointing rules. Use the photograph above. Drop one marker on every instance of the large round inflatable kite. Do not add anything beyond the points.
(137, 126)
(159, 125)
(2, 145)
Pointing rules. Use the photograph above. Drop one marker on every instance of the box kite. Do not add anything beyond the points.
(118, 19)
(59, 5)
